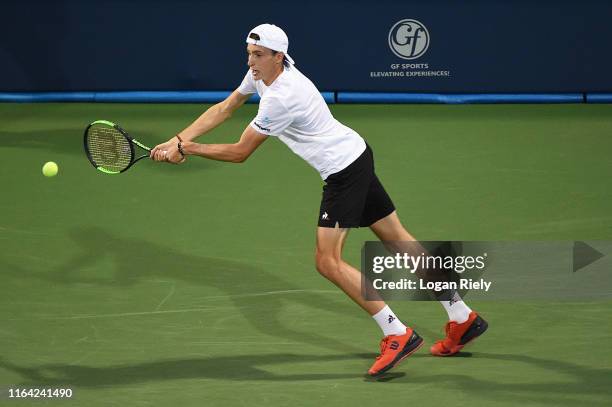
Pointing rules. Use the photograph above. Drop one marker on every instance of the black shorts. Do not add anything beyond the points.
(354, 197)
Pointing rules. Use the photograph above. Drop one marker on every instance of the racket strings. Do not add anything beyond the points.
(108, 148)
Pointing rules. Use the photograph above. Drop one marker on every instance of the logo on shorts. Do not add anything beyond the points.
(408, 39)
(324, 216)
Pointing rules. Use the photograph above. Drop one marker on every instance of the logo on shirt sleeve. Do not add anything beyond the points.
(260, 127)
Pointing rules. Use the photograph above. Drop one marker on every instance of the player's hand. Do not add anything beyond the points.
(167, 152)
(173, 156)
(160, 151)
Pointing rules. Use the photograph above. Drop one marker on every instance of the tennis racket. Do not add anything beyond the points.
(110, 149)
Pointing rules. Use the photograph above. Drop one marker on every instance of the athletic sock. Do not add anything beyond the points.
(456, 309)
(389, 322)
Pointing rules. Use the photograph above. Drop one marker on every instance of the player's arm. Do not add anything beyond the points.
(214, 116)
(235, 153)
(211, 118)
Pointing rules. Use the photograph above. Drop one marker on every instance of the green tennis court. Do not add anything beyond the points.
(195, 285)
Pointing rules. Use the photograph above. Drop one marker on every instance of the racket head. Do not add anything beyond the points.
(108, 147)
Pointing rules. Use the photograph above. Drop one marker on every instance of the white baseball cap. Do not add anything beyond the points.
(271, 36)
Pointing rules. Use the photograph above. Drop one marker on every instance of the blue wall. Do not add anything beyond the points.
(484, 46)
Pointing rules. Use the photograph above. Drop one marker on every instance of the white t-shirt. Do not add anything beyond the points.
(293, 109)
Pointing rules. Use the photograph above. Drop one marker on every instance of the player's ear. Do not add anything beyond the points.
(278, 58)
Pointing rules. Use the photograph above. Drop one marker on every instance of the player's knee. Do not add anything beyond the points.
(327, 265)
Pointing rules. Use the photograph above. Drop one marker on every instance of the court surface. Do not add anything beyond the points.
(194, 285)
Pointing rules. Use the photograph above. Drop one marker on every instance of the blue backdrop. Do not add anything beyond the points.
(466, 46)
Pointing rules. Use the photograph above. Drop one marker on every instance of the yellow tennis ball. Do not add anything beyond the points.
(50, 169)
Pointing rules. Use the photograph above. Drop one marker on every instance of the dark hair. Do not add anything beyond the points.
(286, 62)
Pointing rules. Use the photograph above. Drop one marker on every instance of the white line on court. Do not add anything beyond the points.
(232, 343)
(177, 311)
(216, 297)
(166, 297)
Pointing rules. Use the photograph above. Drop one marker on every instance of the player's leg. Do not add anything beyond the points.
(464, 324)
(399, 341)
(330, 264)
(390, 229)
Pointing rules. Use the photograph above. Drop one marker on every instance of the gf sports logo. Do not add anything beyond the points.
(408, 39)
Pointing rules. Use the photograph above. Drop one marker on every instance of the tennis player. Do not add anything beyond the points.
(292, 110)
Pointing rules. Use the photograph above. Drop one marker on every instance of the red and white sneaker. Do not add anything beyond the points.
(394, 349)
(459, 335)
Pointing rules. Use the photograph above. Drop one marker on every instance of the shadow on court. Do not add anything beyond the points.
(581, 381)
(259, 296)
(245, 367)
